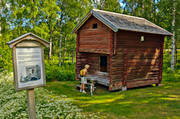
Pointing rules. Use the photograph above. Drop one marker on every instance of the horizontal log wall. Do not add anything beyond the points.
(136, 61)
(137, 83)
(81, 61)
(92, 59)
(94, 40)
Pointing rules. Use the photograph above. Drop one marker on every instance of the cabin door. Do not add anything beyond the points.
(103, 63)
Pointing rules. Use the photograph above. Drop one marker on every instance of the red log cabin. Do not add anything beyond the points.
(123, 51)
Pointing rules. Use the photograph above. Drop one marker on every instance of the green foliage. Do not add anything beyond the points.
(171, 77)
(60, 73)
(168, 74)
(167, 62)
(108, 5)
(5, 57)
(50, 19)
(48, 105)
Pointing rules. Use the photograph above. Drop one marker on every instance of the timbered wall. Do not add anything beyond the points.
(131, 62)
(94, 40)
(135, 61)
(93, 59)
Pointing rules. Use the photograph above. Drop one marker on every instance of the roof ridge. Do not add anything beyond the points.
(115, 29)
(119, 14)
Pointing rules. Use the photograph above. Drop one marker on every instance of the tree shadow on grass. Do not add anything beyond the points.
(143, 102)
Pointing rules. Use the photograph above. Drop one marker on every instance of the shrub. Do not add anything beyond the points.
(65, 72)
(171, 77)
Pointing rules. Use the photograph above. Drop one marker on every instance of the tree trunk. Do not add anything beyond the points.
(60, 46)
(173, 38)
(69, 56)
(176, 53)
(154, 11)
(133, 9)
(60, 40)
(64, 55)
(73, 51)
(50, 45)
(142, 12)
(168, 44)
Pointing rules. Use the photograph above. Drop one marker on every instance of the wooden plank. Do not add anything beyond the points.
(110, 60)
(95, 42)
(93, 33)
(133, 77)
(125, 67)
(117, 77)
(138, 83)
(28, 43)
(161, 59)
(148, 63)
(105, 47)
(102, 51)
(143, 67)
(115, 43)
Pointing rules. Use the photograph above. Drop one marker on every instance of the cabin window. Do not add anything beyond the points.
(103, 63)
(95, 26)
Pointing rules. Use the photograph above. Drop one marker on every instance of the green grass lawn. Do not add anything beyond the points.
(140, 103)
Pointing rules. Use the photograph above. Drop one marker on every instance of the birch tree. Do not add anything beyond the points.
(173, 43)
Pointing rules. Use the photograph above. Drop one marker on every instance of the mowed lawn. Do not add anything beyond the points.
(141, 103)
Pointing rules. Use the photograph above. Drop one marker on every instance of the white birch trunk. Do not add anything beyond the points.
(60, 46)
(73, 52)
(173, 38)
(64, 55)
(50, 48)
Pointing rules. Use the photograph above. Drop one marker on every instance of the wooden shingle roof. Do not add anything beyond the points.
(117, 21)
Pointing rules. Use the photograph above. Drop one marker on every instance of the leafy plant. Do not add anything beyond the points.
(65, 72)
(48, 106)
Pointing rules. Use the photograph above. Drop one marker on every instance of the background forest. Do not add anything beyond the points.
(54, 21)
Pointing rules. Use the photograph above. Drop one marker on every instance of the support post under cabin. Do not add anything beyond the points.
(124, 87)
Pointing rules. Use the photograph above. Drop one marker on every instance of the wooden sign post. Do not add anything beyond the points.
(28, 65)
(31, 103)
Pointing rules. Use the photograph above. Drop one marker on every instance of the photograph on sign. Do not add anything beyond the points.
(29, 67)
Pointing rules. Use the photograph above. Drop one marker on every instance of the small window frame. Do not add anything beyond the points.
(94, 26)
